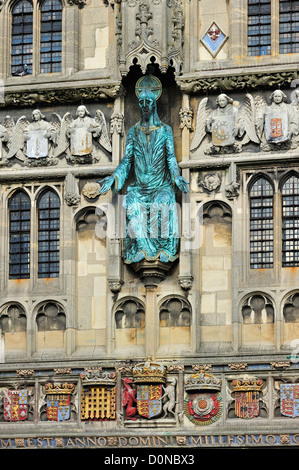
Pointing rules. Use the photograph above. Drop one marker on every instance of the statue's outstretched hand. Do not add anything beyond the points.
(182, 184)
(106, 184)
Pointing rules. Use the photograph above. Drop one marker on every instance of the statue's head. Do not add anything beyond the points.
(148, 105)
(278, 97)
(37, 115)
(223, 100)
(82, 111)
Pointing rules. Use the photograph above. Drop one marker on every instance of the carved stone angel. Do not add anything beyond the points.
(230, 125)
(77, 136)
(34, 140)
(276, 124)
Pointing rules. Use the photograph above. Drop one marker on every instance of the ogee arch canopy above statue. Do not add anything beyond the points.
(152, 229)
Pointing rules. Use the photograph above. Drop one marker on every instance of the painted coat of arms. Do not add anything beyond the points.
(203, 404)
(149, 378)
(149, 402)
(289, 400)
(15, 404)
(247, 394)
(58, 397)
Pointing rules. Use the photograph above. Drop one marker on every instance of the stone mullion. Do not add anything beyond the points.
(36, 38)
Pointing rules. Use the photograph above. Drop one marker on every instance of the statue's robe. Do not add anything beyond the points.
(151, 215)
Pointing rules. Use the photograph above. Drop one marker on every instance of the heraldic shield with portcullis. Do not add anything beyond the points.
(203, 403)
(142, 395)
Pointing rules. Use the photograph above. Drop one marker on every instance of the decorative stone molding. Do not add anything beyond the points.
(117, 123)
(62, 95)
(91, 190)
(115, 285)
(186, 115)
(240, 366)
(186, 282)
(78, 3)
(280, 365)
(235, 82)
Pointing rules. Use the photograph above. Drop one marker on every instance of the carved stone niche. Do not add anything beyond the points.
(150, 29)
(13, 319)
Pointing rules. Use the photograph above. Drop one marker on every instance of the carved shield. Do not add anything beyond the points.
(222, 130)
(81, 142)
(247, 404)
(276, 125)
(37, 145)
(289, 400)
(58, 407)
(203, 408)
(15, 405)
(149, 400)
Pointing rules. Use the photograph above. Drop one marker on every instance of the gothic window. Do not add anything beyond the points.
(22, 36)
(48, 234)
(19, 236)
(130, 314)
(51, 36)
(51, 317)
(175, 312)
(26, 45)
(261, 224)
(288, 26)
(259, 27)
(290, 222)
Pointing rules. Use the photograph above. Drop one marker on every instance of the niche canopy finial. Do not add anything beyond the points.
(151, 83)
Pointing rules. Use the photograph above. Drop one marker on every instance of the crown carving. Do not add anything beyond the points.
(59, 388)
(247, 385)
(149, 372)
(202, 381)
(98, 377)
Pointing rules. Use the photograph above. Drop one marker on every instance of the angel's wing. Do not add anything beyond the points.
(56, 123)
(9, 125)
(104, 140)
(17, 141)
(247, 118)
(203, 112)
(62, 138)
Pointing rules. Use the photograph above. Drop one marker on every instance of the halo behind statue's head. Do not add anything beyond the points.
(149, 83)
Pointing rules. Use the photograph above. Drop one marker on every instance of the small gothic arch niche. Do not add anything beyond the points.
(130, 323)
(51, 317)
(13, 318)
(130, 314)
(291, 309)
(175, 312)
(91, 221)
(258, 309)
(175, 316)
(217, 212)
(258, 326)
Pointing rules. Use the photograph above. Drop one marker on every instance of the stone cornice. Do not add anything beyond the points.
(42, 95)
(210, 82)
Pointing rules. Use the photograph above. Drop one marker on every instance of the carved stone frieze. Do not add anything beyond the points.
(62, 95)
(249, 81)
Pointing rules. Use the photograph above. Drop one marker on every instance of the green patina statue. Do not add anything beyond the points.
(152, 229)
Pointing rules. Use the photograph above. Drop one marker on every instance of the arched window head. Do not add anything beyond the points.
(48, 234)
(19, 236)
(22, 37)
(51, 36)
(290, 222)
(261, 224)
